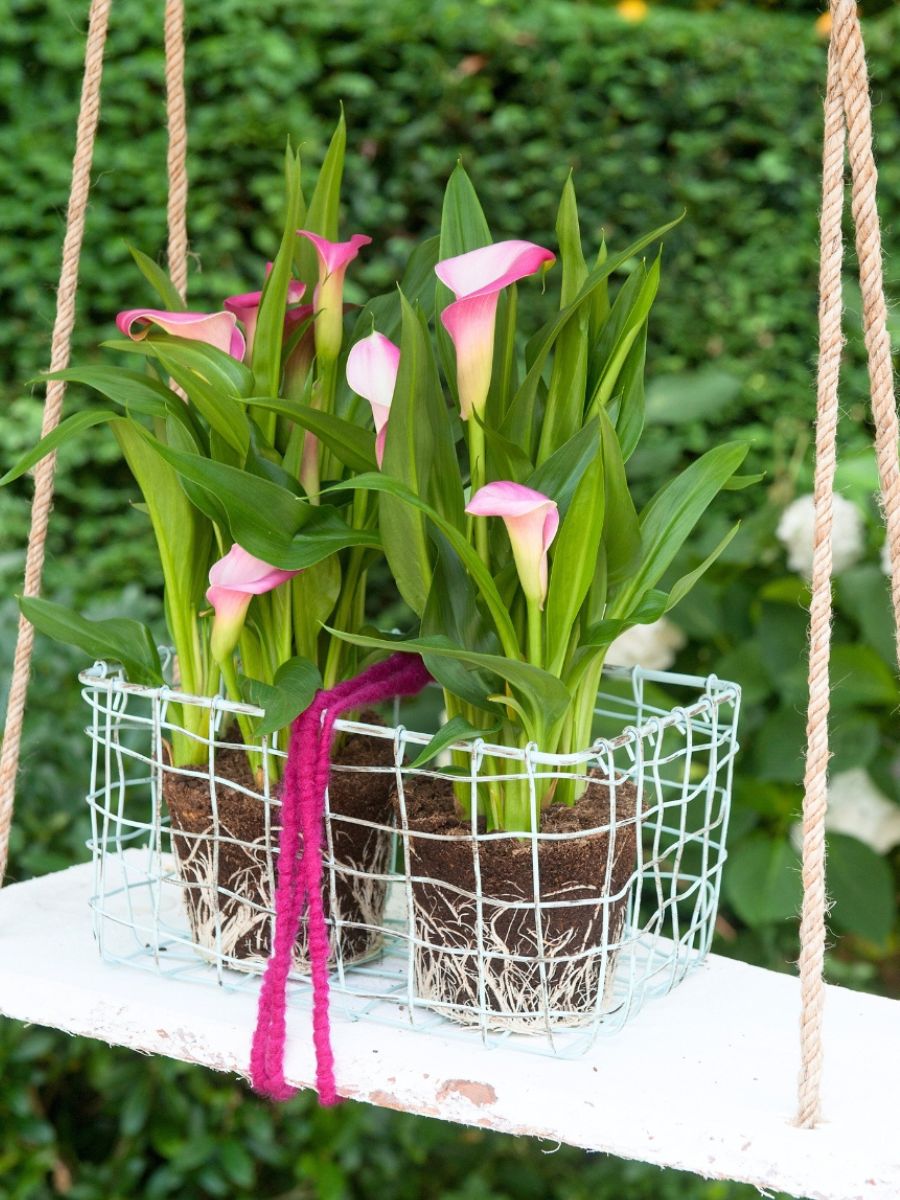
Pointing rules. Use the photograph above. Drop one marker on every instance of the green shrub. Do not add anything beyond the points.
(719, 114)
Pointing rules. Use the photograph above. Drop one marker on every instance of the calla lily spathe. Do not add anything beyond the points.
(215, 329)
(234, 581)
(476, 279)
(372, 367)
(328, 301)
(246, 308)
(531, 520)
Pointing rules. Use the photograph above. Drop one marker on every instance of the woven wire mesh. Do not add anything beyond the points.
(425, 930)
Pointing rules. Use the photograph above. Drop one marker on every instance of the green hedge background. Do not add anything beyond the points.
(716, 112)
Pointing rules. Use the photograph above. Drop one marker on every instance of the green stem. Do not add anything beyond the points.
(233, 691)
(535, 633)
(344, 615)
(477, 476)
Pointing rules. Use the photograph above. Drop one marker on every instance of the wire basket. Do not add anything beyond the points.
(561, 932)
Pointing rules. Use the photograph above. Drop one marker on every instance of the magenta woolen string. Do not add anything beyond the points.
(300, 871)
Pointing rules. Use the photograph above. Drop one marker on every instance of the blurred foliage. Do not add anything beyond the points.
(715, 112)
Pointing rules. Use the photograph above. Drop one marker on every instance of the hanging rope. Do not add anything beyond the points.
(85, 136)
(88, 116)
(848, 121)
(176, 113)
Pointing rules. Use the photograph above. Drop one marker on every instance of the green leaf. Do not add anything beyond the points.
(564, 408)
(568, 233)
(453, 610)
(351, 445)
(504, 459)
(863, 595)
(135, 391)
(633, 324)
(253, 505)
(574, 559)
(269, 333)
(560, 474)
(322, 214)
(467, 554)
(859, 676)
(159, 281)
(683, 585)
(623, 542)
(314, 593)
(762, 880)
(780, 745)
(546, 696)
(117, 639)
(670, 517)
(417, 285)
(705, 395)
(221, 410)
(183, 539)
(604, 633)
(463, 228)
(290, 693)
(267, 520)
(861, 884)
(419, 453)
(218, 370)
(738, 483)
(854, 741)
(68, 429)
(457, 729)
(519, 425)
(324, 533)
(629, 401)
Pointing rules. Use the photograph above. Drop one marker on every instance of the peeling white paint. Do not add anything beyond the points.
(703, 1080)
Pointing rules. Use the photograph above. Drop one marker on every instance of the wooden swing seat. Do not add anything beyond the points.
(702, 1081)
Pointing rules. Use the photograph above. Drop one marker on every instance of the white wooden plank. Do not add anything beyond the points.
(703, 1080)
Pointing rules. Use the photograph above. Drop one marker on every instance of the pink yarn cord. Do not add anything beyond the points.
(300, 872)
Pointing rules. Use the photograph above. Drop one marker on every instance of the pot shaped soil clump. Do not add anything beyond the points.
(527, 949)
(227, 856)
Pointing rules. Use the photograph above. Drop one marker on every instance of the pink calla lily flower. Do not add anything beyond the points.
(246, 308)
(372, 367)
(334, 258)
(531, 520)
(234, 581)
(476, 279)
(215, 329)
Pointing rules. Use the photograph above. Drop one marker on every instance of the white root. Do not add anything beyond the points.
(515, 997)
(239, 927)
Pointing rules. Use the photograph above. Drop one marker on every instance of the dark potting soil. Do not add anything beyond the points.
(237, 854)
(574, 869)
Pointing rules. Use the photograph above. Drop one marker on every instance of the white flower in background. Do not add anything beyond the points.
(886, 558)
(795, 532)
(651, 646)
(857, 807)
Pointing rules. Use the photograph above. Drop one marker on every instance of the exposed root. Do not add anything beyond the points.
(517, 994)
(238, 927)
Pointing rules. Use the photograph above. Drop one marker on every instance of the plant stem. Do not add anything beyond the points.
(477, 477)
(535, 634)
(233, 691)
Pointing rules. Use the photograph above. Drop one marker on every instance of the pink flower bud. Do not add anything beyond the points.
(531, 520)
(372, 367)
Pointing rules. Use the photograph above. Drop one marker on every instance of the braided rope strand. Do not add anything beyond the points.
(847, 108)
(855, 87)
(831, 341)
(176, 160)
(61, 342)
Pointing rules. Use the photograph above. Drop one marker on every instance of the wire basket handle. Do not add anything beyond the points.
(61, 343)
(848, 126)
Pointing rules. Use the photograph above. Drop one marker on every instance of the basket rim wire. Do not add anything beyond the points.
(651, 928)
